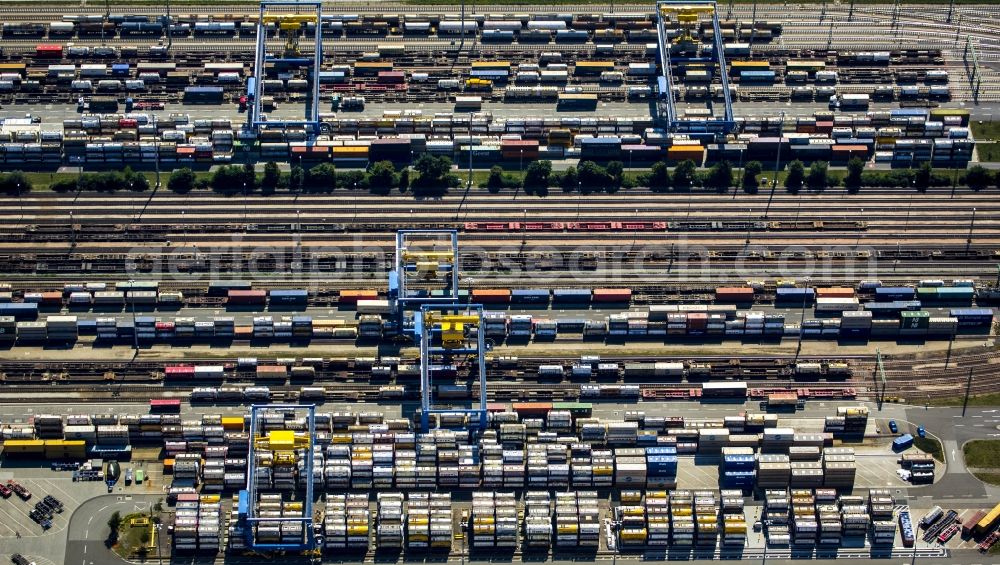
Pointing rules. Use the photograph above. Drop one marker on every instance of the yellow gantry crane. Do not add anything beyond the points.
(452, 327)
(687, 16)
(428, 263)
(291, 24)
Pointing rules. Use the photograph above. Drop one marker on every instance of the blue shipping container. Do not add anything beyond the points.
(973, 316)
(757, 76)
(19, 310)
(289, 296)
(530, 295)
(795, 294)
(902, 443)
(889, 293)
(571, 295)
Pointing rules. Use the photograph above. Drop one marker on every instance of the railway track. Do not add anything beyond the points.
(911, 378)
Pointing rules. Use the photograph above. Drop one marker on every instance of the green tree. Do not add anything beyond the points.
(855, 168)
(592, 177)
(404, 180)
(495, 181)
(271, 179)
(382, 177)
(137, 182)
(434, 175)
(64, 185)
(684, 175)
(977, 177)
(720, 176)
(321, 178)
(616, 176)
(796, 176)
(819, 175)
(229, 179)
(114, 522)
(569, 180)
(144, 537)
(659, 177)
(537, 176)
(249, 178)
(751, 174)
(352, 179)
(296, 178)
(181, 181)
(14, 183)
(922, 176)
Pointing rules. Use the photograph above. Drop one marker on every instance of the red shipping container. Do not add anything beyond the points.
(835, 292)
(247, 296)
(179, 371)
(697, 320)
(491, 295)
(391, 77)
(612, 295)
(824, 127)
(48, 51)
(496, 407)
(734, 294)
(164, 326)
(352, 296)
(128, 123)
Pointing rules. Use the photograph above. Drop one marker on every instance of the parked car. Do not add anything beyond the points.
(893, 427)
(921, 431)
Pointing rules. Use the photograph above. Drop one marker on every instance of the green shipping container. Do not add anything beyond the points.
(927, 293)
(914, 320)
(575, 408)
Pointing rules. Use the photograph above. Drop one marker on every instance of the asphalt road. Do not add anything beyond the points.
(88, 528)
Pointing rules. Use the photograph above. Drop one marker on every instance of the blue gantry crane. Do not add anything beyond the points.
(445, 331)
(291, 25)
(424, 282)
(425, 271)
(283, 447)
(687, 14)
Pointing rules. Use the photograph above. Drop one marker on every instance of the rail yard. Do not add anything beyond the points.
(277, 336)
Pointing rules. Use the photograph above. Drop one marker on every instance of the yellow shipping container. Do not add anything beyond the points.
(209, 498)
(491, 65)
(232, 423)
(567, 528)
(631, 496)
(636, 535)
(357, 530)
(13, 446)
(350, 152)
(281, 440)
(324, 323)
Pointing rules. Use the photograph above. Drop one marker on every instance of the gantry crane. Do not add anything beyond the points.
(284, 447)
(460, 332)
(291, 25)
(291, 58)
(425, 270)
(687, 14)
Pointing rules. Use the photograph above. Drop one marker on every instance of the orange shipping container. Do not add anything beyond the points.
(352, 296)
(168, 465)
(491, 295)
(835, 292)
(734, 294)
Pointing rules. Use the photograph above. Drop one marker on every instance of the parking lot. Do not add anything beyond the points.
(47, 547)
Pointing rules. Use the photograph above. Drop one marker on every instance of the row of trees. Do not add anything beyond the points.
(429, 175)
(432, 176)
